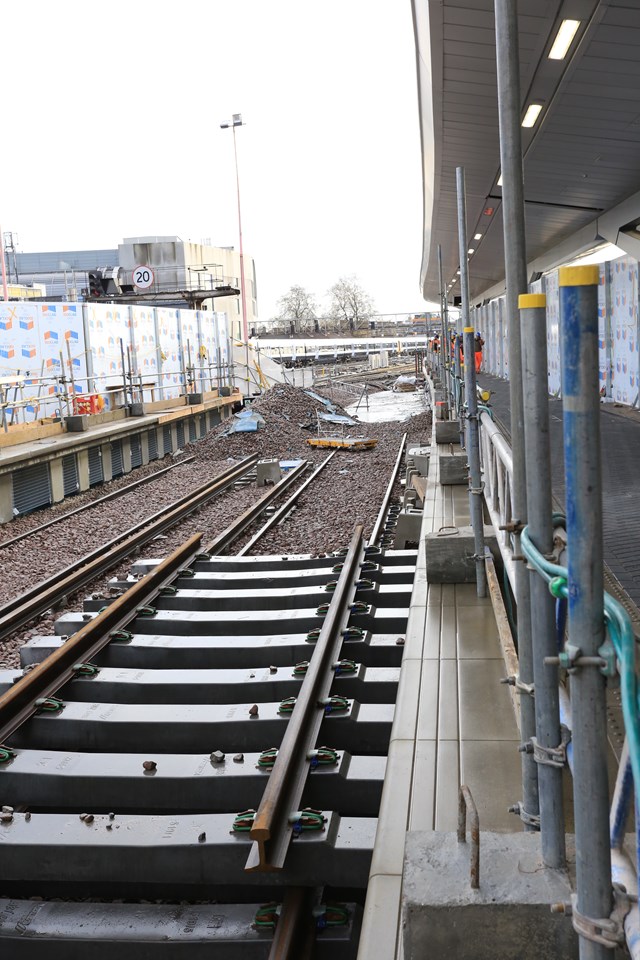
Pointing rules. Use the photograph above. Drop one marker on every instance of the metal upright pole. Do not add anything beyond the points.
(540, 527)
(581, 415)
(471, 416)
(515, 263)
(444, 345)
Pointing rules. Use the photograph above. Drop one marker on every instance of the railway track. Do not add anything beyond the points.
(197, 770)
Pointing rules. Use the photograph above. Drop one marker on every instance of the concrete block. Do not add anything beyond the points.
(442, 410)
(195, 398)
(78, 423)
(136, 409)
(268, 471)
(407, 529)
(507, 918)
(420, 457)
(453, 469)
(447, 431)
(450, 552)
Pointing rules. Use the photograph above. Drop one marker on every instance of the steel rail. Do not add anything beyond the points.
(48, 593)
(282, 511)
(382, 513)
(23, 699)
(224, 540)
(114, 495)
(295, 935)
(272, 830)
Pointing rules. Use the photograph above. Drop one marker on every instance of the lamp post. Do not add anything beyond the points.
(237, 122)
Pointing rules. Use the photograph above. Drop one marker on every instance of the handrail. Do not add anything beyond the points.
(616, 656)
(497, 469)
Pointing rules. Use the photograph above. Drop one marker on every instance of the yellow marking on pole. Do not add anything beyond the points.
(526, 300)
(468, 329)
(579, 276)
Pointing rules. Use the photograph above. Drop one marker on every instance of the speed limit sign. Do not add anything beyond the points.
(143, 277)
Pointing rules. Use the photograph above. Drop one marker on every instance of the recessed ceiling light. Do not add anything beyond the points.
(532, 114)
(477, 236)
(563, 40)
(471, 250)
(500, 180)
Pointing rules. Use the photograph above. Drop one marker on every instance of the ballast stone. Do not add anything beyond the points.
(508, 918)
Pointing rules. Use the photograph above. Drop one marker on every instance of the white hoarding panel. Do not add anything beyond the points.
(169, 341)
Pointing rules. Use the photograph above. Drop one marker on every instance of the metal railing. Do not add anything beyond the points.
(497, 463)
(497, 468)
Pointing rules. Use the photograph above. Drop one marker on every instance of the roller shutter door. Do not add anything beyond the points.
(117, 462)
(70, 480)
(153, 444)
(136, 451)
(180, 433)
(31, 488)
(166, 439)
(96, 473)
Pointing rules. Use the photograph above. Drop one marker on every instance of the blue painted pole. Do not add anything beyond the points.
(543, 626)
(579, 328)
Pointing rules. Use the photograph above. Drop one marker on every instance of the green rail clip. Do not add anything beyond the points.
(267, 758)
(287, 705)
(6, 753)
(345, 666)
(121, 636)
(85, 669)
(243, 821)
(307, 820)
(267, 915)
(146, 611)
(323, 757)
(301, 668)
(49, 704)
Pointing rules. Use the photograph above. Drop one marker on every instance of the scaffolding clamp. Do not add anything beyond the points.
(550, 756)
(521, 687)
(530, 819)
(608, 931)
(514, 526)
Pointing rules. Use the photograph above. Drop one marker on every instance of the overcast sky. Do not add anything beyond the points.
(112, 119)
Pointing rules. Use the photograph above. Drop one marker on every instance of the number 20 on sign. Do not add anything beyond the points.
(143, 277)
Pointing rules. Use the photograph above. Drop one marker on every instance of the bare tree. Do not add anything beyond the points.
(298, 310)
(350, 306)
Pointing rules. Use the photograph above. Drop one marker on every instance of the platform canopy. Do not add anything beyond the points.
(581, 158)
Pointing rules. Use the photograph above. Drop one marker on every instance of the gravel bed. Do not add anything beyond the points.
(29, 521)
(347, 492)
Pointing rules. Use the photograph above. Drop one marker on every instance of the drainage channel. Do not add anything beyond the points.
(208, 780)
